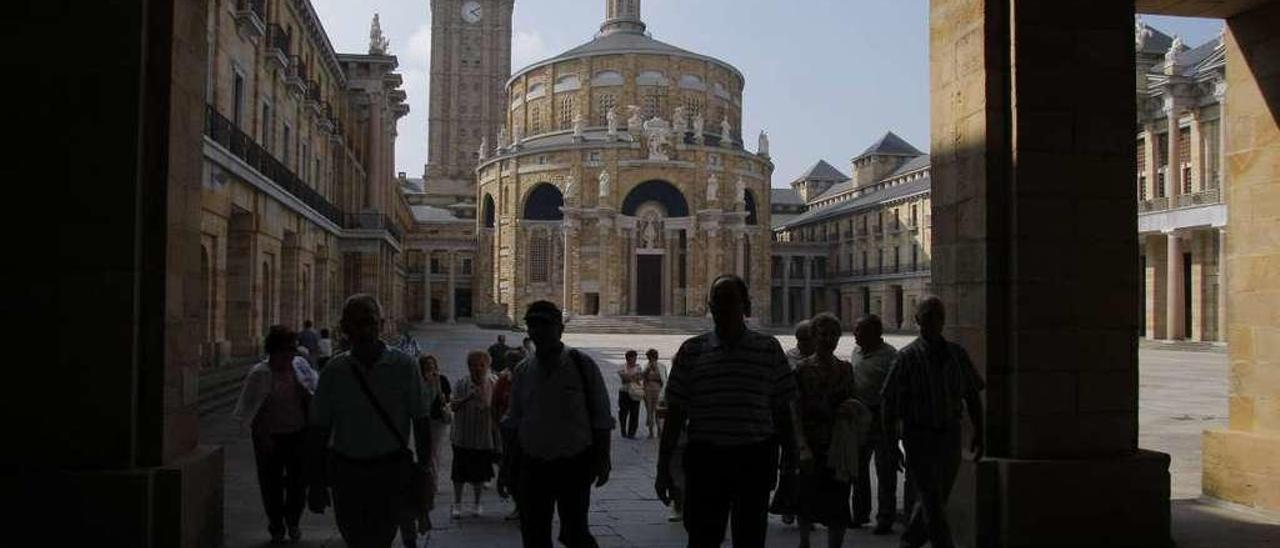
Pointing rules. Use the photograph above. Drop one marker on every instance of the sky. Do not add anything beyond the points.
(825, 78)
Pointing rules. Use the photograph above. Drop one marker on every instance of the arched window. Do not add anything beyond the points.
(536, 91)
(543, 203)
(608, 78)
(693, 81)
(750, 200)
(662, 192)
(567, 83)
(488, 211)
(651, 78)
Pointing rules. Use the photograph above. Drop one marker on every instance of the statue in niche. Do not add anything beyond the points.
(699, 126)
(605, 189)
(579, 126)
(649, 231)
(726, 132)
(484, 148)
(503, 138)
(612, 117)
(713, 190)
(657, 131)
(741, 191)
(763, 148)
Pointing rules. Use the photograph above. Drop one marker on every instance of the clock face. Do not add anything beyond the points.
(472, 11)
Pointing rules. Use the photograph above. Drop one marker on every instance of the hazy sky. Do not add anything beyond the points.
(825, 78)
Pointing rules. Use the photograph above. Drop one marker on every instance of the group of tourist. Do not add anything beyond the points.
(739, 419)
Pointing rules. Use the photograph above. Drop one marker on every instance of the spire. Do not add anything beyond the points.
(378, 44)
(622, 16)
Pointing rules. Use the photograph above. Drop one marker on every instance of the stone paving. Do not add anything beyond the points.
(1182, 393)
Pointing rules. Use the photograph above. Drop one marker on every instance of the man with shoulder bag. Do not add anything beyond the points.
(559, 426)
(366, 403)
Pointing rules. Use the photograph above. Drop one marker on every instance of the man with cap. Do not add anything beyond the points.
(560, 422)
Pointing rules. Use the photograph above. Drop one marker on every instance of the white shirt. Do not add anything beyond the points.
(257, 386)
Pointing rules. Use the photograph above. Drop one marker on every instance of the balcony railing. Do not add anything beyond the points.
(222, 131)
(296, 76)
(1197, 199)
(373, 221)
(251, 16)
(278, 46)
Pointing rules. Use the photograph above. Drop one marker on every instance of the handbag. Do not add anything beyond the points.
(414, 476)
(635, 391)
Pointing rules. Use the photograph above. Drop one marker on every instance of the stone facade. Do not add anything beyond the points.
(620, 184)
(299, 205)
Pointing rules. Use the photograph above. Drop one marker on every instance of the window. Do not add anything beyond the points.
(604, 102)
(567, 111)
(237, 97)
(286, 142)
(915, 257)
(865, 266)
(265, 125)
(897, 259)
(654, 101)
(880, 262)
(466, 267)
(915, 216)
(302, 164)
(535, 120)
(540, 259)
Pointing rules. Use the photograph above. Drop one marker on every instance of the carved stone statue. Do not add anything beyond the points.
(635, 120)
(699, 127)
(763, 149)
(378, 44)
(571, 187)
(680, 125)
(657, 131)
(649, 232)
(1175, 49)
(713, 190)
(503, 138)
(484, 148)
(605, 189)
(517, 135)
(726, 132)
(612, 116)
(579, 126)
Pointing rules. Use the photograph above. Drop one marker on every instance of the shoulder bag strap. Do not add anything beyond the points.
(382, 413)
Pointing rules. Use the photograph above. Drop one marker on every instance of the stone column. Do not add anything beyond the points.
(808, 287)
(1196, 150)
(1173, 173)
(1240, 460)
(1222, 284)
(426, 287)
(453, 306)
(1174, 295)
(567, 304)
(1020, 285)
(786, 289)
(1157, 286)
(1151, 166)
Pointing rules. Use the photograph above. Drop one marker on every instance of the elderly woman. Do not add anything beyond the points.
(654, 378)
(826, 393)
(273, 406)
(475, 432)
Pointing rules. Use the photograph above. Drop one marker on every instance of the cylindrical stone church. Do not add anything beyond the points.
(620, 185)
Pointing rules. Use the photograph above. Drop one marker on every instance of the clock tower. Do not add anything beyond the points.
(470, 64)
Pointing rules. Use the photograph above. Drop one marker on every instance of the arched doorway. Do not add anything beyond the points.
(658, 248)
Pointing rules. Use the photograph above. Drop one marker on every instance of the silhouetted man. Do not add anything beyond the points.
(560, 421)
(365, 403)
(804, 344)
(925, 395)
(498, 354)
(735, 393)
(871, 363)
(309, 339)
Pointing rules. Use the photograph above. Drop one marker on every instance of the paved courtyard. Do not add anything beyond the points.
(1183, 392)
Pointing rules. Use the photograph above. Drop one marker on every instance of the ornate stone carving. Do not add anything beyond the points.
(571, 187)
(612, 117)
(484, 148)
(503, 138)
(657, 131)
(726, 132)
(649, 231)
(634, 121)
(699, 127)
(1175, 49)
(763, 148)
(713, 190)
(378, 44)
(680, 124)
(579, 126)
(605, 189)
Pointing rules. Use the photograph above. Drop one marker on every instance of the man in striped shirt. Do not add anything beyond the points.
(735, 393)
(930, 384)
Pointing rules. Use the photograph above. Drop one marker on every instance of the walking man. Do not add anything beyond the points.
(498, 355)
(734, 392)
(560, 416)
(871, 362)
(366, 401)
(929, 386)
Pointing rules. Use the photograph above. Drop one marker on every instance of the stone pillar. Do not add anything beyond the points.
(1157, 274)
(808, 287)
(567, 303)
(453, 307)
(1151, 167)
(1019, 282)
(786, 289)
(1175, 298)
(1196, 150)
(1173, 173)
(1240, 461)
(1222, 285)
(426, 287)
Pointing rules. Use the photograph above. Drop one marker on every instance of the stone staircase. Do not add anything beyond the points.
(639, 325)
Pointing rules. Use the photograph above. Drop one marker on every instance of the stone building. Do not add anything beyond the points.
(620, 184)
(863, 245)
(300, 206)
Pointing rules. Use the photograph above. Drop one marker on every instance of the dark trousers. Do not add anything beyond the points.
(281, 477)
(548, 486)
(886, 476)
(728, 485)
(370, 499)
(628, 414)
(933, 459)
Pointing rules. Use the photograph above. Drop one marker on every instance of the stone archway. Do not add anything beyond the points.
(658, 248)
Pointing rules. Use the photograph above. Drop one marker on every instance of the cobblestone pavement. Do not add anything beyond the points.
(1183, 393)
